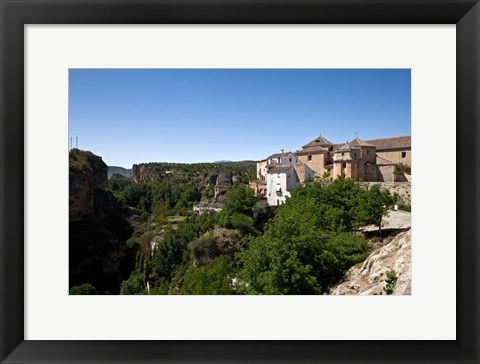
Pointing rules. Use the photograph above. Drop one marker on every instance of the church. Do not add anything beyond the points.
(376, 160)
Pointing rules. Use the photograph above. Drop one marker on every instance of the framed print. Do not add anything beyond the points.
(237, 80)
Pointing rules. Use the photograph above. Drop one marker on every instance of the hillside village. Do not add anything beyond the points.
(374, 160)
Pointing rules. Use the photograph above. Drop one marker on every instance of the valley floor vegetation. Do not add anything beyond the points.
(302, 247)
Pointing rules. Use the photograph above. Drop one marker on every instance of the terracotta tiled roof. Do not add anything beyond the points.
(279, 168)
(279, 155)
(360, 143)
(402, 142)
(346, 147)
(312, 150)
(320, 141)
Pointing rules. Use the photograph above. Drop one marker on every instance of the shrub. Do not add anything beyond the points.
(402, 169)
(83, 289)
(211, 279)
(390, 282)
(134, 284)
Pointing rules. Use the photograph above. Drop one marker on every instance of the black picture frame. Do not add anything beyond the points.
(16, 13)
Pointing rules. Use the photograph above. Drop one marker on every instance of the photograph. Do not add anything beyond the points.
(240, 181)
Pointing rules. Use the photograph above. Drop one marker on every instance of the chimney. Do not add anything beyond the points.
(281, 150)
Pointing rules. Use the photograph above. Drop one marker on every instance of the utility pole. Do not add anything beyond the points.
(76, 142)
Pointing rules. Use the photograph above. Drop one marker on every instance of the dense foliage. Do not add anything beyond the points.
(198, 172)
(304, 247)
(156, 199)
(83, 289)
(308, 246)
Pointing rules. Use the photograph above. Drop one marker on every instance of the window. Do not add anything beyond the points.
(290, 160)
(368, 152)
(344, 165)
(343, 154)
(404, 154)
(278, 202)
(309, 158)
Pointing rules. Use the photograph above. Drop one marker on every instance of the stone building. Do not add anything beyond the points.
(202, 208)
(365, 160)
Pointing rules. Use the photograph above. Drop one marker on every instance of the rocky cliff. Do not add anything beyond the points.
(213, 244)
(368, 278)
(222, 185)
(145, 172)
(86, 172)
(98, 229)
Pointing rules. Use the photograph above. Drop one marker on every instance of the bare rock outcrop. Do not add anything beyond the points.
(145, 172)
(213, 244)
(224, 182)
(368, 278)
(211, 181)
(87, 172)
(98, 229)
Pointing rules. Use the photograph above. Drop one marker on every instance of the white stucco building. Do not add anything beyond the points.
(283, 178)
(282, 158)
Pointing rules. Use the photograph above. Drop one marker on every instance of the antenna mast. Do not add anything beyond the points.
(76, 142)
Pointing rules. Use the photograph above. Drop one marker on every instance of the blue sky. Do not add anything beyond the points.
(158, 115)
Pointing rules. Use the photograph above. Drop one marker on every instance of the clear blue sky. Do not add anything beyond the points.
(149, 115)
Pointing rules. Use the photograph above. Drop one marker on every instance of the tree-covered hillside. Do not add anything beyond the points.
(304, 246)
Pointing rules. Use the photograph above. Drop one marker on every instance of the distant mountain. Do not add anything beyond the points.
(119, 170)
(222, 162)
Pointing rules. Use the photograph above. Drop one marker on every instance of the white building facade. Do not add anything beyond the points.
(283, 178)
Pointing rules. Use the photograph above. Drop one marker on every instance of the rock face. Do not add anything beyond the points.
(211, 245)
(224, 182)
(368, 278)
(145, 172)
(87, 172)
(210, 181)
(98, 230)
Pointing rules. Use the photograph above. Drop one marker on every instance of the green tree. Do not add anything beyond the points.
(83, 289)
(135, 284)
(237, 211)
(239, 199)
(211, 279)
(372, 205)
(305, 250)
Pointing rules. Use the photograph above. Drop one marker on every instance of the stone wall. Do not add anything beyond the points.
(395, 156)
(403, 189)
(385, 173)
(317, 163)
